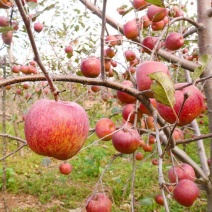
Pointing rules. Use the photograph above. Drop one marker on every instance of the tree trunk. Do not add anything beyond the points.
(205, 47)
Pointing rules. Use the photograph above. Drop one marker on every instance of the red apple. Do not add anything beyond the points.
(19, 91)
(147, 148)
(25, 85)
(156, 13)
(139, 156)
(194, 105)
(109, 53)
(3, 21)
(128, 113)
(91, 67)
(131, 29)
(145, 22)
(157, 26)
(178, 134)
(24, 69)
(130, 55)
(69, 49)
(124, 97)
(186, 192)
(104, 129)
(180, 172)
(56, 128)
(174, 41)
(144, 110)
(5, 4)
(159, 199)
(38, 27)
(111, 40)
(144, 69)
(99, 203)
(95, 88)
(7, 37)
(16, 69)
(148, 43)
(65, 168)
(126, 140)
(155, 161)
(139, 4)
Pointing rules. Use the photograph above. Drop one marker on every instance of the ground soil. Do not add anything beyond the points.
(29, 203)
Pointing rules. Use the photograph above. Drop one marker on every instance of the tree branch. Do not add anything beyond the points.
(189, 65)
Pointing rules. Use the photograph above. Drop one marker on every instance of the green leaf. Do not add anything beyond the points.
(163, 88)
(146, 201)
(203, 61)
(11, 180)
(6, 29)
(159, 3)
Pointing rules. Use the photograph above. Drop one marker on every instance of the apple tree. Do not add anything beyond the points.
(152, 68)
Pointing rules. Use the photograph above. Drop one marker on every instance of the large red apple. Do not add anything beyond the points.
(124, 97)
(186, 192)
(99, 203)
(144, 69)
(104, 129)
(56, 128)
(91, 67)
(126, 141)
(180, 172)
(65, 168)
(192, 108)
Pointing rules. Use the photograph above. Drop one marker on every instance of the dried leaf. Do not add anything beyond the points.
(163, 88)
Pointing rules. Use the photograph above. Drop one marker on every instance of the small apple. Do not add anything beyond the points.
(16, 69)
(140, 4)
(180, 172)
(159, 199)
(128, 113)
(186, 192)
(148, 43)
(91, 67)
(69, 50)
(111, 40)
(145, 22)
(131, 29)
(155, 161)
(3, 21)
(24, 69)
(65, 168)
(95, 88)
(104, 129)
(7, 37)
(126, 140)
(38, 27)
(99, 203)
(124, 97)
(174, 41)
(139, 156)
(147, 148)
(130, 55)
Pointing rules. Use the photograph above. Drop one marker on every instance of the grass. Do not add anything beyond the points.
(47, 184)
